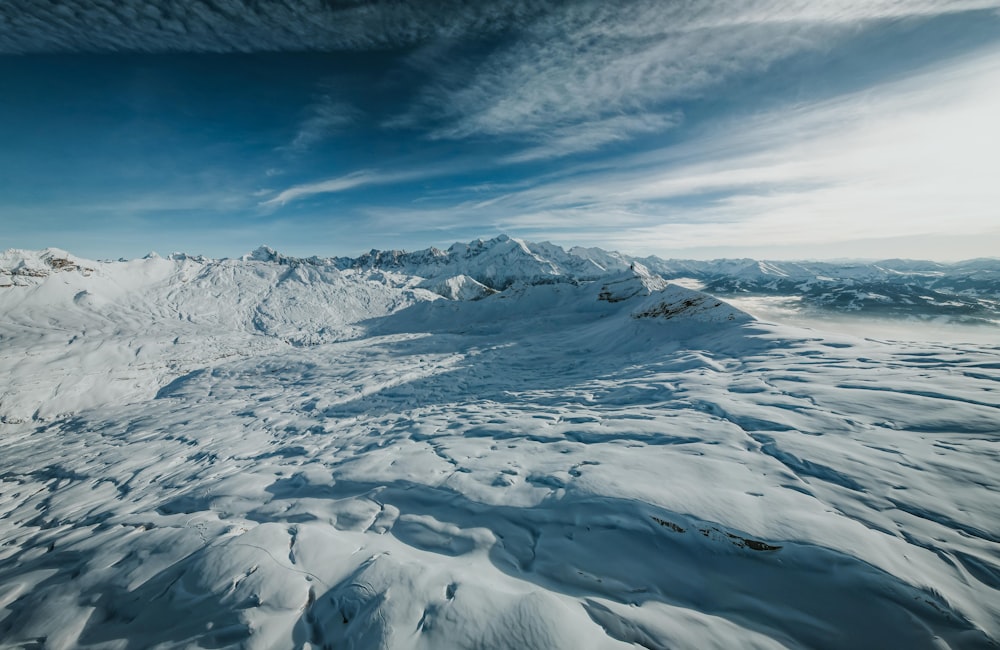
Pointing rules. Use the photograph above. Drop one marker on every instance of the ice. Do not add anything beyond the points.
(272, 452)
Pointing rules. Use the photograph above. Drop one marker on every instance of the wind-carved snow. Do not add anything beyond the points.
(273, 452)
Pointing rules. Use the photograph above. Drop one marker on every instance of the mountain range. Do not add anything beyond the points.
(967, 291)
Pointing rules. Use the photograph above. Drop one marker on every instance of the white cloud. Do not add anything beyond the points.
(324, 118)
(329, 186)
(916, 158)
(592, 135)
(590, 61)
(301, 25)
(351, 181)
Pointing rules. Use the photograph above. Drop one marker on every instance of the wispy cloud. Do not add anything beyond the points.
(594, 134)
(916, 157)
(589, 28)
(559, 78)
(346, 182)
(913, 157)
(590, 61)
(329, 186)
(324, 118)
(553, 79)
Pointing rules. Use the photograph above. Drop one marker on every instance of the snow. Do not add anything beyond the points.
(459, 287)
(273, 452)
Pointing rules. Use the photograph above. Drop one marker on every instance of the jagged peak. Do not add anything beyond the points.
(185, 257)
(263, 253)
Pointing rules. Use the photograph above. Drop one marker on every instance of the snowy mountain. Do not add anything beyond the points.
(963, 292)
(166, 314)
(500, 444)
(262, 300)
(496, 263)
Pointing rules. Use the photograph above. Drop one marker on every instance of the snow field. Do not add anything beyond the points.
(609, 464)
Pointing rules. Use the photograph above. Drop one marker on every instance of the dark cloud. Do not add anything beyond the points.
(41, 26)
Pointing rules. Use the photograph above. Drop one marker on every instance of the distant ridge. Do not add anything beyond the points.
(966, 291)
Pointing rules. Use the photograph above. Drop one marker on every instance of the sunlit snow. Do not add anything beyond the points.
(508, 449)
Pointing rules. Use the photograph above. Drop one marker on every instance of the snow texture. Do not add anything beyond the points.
(489, 447)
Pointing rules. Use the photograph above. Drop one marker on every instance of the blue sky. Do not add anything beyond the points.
(695, 128)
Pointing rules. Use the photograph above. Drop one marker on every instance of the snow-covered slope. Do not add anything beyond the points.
(19, 267)
(459, 287)
(83, 322)
(962, 292)
(274, 452)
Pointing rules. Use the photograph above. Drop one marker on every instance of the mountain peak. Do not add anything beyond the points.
(26, 263)
(636, 281)
(265, 253)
